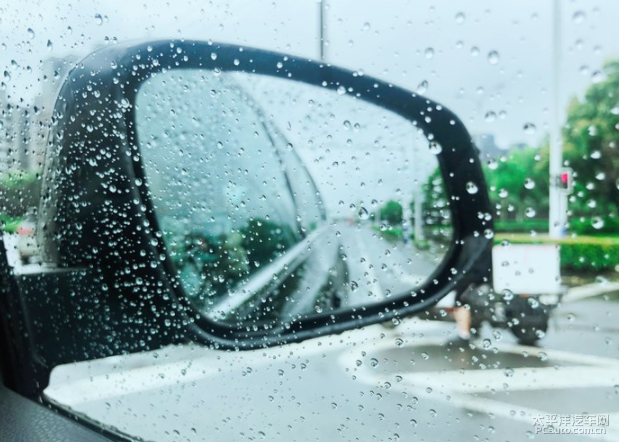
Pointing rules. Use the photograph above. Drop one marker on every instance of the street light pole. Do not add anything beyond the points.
(322, 31)
(557, 199)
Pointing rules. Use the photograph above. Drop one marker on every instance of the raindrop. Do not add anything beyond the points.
(490, 117)
(98, 19)
(529, 128)
(529, 183)
(529, 212)
(30, 33)
(509, 372)
(435, 147)
(493, 57)
(492, 164)
(363, 213)
(488, 233)
(374, 362)
(471, 188)
(597, 222)
(474, 51)
(50, 45)
(366, 26)
(422, 88)
(597, 77)
(508, 295)
(460, 17)
(615, 110)
(354, 286)
(341, 90)
(429, 53)
(578, 17)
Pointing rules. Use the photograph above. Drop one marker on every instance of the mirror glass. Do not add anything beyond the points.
(278, 199)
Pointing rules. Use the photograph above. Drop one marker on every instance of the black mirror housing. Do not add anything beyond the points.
(96, 212)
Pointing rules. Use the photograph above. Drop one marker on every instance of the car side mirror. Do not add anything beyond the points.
(243, 198)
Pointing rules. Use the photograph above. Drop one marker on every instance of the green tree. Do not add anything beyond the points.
(591, 145)
(19, 192)
(520, 183)
(391, 213)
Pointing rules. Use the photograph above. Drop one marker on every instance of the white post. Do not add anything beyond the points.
(557, 218)
(418, 215)
(322, 30)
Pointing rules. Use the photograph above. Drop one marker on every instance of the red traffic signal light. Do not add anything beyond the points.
(566, 180)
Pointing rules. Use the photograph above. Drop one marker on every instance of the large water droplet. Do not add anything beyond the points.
(597, 222)
(460, 17)
(490, 117)
(422, 88)
(529, 183)
(98, 19)
(578, 17)
(435, 147)
(30, 33)
(429, 53)
(363, 213)
(493, 57)
(529, 128)
(598, 77)
(471, 188)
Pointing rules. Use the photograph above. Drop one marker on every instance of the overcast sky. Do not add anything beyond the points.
(445, 43)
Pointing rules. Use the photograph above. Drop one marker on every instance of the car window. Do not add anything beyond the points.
(281, 204)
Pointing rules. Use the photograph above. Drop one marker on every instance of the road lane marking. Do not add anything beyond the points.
(521, 379)
(590, 291)
(461, 388)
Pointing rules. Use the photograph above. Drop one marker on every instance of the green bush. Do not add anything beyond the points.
(524, 226)
(9, 224)
(389, 232)
(589, 226)
(19, 192)
(581, 253)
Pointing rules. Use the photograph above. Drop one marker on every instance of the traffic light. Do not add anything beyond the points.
(566, 183)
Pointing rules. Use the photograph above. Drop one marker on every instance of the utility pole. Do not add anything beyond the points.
(322, 30)
(556, 198)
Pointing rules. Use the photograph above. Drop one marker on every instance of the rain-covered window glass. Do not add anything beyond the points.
(311, 220)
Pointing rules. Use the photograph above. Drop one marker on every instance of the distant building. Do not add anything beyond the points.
(39, 119)
(14, 136)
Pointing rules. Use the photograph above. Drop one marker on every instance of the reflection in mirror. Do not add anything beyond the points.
(278, 199)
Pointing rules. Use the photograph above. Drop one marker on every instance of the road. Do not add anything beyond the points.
(379, 267)
(376, 383)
